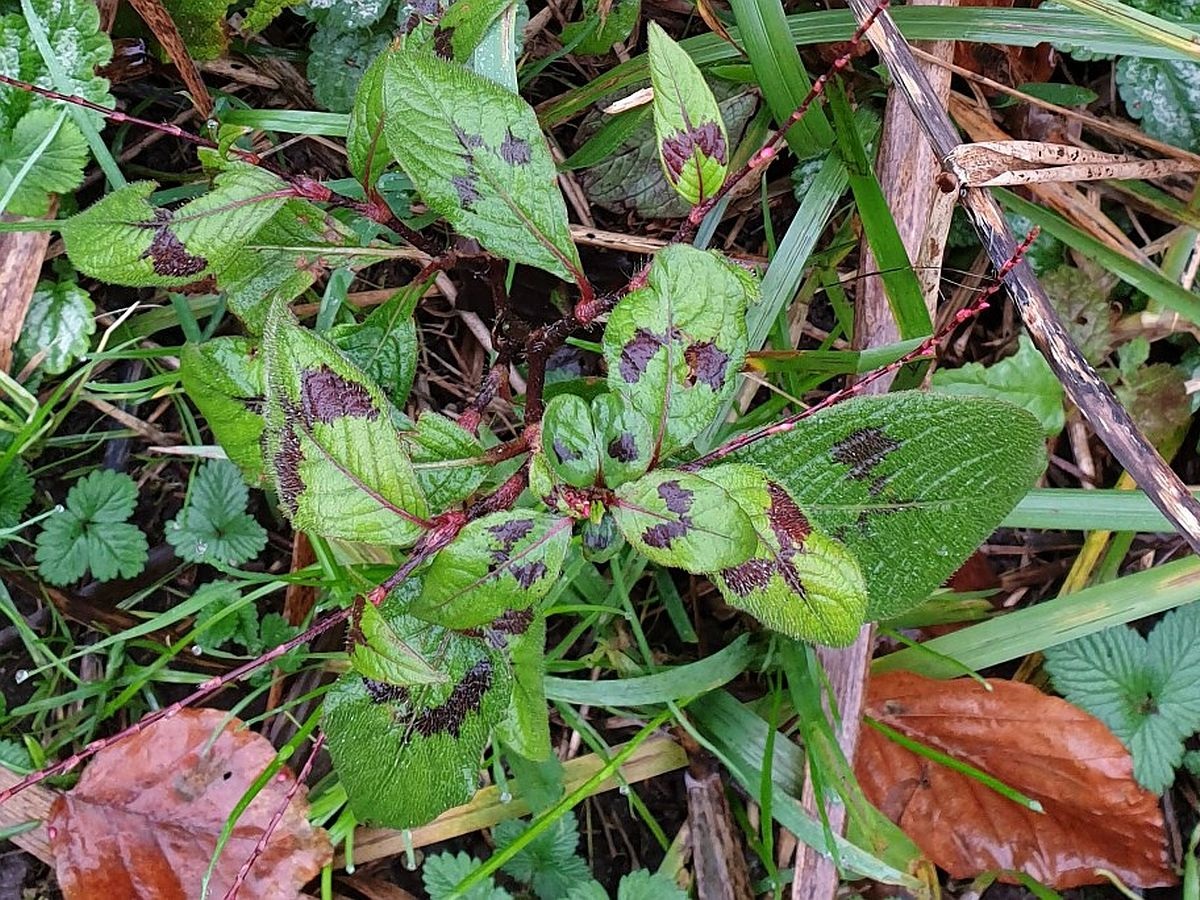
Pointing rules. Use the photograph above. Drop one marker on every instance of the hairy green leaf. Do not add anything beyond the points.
(478, 158)
(447, 459)
(122, 239)
(442, 873)
(336, 458)
(224, 378)
(549, 863)
(911, 483)
(16, 493)
(674, 346)
(688, 520)
(384, 345)
(503, 561)
(280, 261)
(526, 727)
(1025, 378)
(427, 738)
(692, 144)
(366, 150)
(201, 24)
(385, 656)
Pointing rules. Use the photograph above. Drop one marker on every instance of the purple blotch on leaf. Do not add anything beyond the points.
(464, 186)
(167, 254)
(326, 396)
(706, 364)
(383, 692)
(565, 453)
(677, 498)
(623, 448)
(661, 535)
(636, 354)
(678, 149)
(515, 150)
(469, 141)
(527, 573)
(862, 450)
(443, 42)
(748, 577)
(506, 534)
(791, 528)
(287, 461)
(465, 698)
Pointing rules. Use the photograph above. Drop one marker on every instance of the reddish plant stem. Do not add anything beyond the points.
(265, 837)
(472, 416)
(687, 231)
(502, 498)
(924, 349)
(205, 690)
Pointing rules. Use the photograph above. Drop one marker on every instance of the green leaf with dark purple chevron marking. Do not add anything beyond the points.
(674, 347)
(569, 440)
(688, 520)
(122, 239)
(625, 437)
(224, 378)
(406, 753)
(910, 483)
(503, 561)
(447, 459)
(336, 458)
(478, 158)
(692, 144)
(799, 582)
(526, 728)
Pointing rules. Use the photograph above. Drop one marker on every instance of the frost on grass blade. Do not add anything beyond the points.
(122, 239)
(477, 156)
(673, 347)
(692, 144)
(332, 446)
(406, 753)
(686, 520)
(798, 582)
(910, 483)
(503, 561)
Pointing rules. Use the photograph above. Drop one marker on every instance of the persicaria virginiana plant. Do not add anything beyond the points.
(812, 525)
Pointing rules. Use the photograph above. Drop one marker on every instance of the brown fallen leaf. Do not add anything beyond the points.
(143, 821)
(1096, 816)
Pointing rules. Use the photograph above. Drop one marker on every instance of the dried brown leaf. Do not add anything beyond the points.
(1096, 815)
(143, 821)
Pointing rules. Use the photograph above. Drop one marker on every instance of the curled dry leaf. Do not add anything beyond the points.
(1096, 816)
(144, 819)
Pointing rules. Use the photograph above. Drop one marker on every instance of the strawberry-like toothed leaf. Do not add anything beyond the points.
(799, 581)
(692, 144)
(500, 562)
(673, 347)
(688, 520)
(337, 460)
(406, 753)
(569, 440)
(477, 156)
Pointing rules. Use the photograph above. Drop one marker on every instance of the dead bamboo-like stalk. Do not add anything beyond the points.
(1087, 391)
